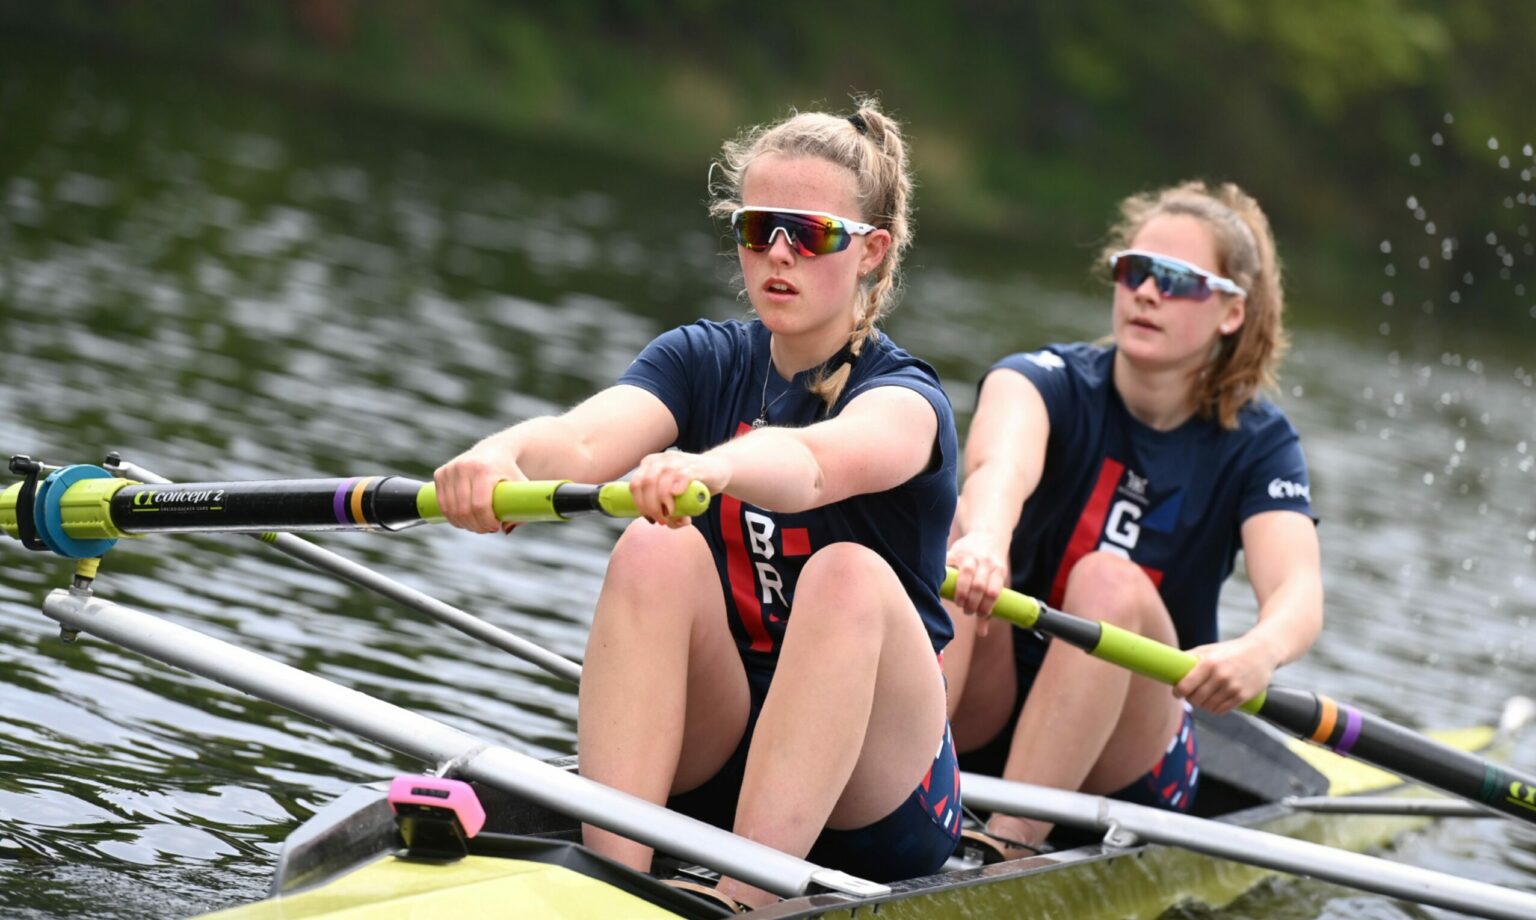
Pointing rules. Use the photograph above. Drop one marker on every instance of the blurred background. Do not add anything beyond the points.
(309, 238)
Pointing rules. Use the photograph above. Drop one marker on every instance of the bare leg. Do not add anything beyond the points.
(1088, 724)
(981, 708)
(854, 715)
(958, 654)
(664, 699)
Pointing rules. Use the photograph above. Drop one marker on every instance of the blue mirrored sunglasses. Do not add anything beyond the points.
(1174, 277)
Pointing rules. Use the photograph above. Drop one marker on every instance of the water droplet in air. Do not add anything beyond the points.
(1449, 118)
(1391, 271)
(1386, 299)
(1493, 143)
(1413, 160)
(1413, 202)
(1429, 227)
(1386, 246)
(1467, 278)
(1492, 238)
(1503, 162)
(1424, 262)
(1436, 139)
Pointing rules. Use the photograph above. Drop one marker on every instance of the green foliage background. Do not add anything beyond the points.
(1028, 120)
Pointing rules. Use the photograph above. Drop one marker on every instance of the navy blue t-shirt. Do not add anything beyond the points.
(1173, 502)
(711, 376)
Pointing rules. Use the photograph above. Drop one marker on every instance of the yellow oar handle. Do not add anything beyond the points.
(1105, 641)
(617, 501)
(560, 499)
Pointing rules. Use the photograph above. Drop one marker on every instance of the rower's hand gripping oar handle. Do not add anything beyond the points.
(556, 500)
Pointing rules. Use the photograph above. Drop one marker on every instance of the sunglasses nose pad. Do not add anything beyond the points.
(778, 232)
(1150, 277)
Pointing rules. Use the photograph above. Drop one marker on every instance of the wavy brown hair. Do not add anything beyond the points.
(1243, 363)
(868, 143)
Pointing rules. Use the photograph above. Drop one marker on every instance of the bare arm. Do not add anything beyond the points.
(598, 440)
(881, 439)
(1285, 568)
(1004, 458)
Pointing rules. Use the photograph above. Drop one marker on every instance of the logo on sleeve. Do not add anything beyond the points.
(1046, 359)
(1284, 488)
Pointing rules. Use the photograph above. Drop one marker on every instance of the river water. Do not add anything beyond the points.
(225, 281)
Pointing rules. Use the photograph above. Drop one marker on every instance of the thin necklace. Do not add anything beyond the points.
(845, 356)
(764, 405)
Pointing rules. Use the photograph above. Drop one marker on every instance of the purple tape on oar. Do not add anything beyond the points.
(339, 501)
(1352, 722)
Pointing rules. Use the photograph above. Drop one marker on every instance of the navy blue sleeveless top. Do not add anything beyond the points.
(711, 376)
(1171, 501)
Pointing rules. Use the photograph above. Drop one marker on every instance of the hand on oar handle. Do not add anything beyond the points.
(980, 562)
(559, 500)
(1227, 674)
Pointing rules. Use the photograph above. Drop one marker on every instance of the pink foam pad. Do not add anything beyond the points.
(436, 792)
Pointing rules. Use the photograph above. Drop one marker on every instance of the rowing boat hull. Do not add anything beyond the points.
(342, 862)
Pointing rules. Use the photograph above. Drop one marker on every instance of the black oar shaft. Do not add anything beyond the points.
(1349, 731)
(387, 502)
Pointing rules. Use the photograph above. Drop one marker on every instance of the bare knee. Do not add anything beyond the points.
(846, 582)
(654, 571)
(1110, 587)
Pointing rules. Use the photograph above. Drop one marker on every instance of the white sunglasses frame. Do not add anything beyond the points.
(853, 227)
(1214, 282)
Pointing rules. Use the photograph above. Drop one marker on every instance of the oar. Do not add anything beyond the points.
(78, 508)
(1311, 716)
(405, 595)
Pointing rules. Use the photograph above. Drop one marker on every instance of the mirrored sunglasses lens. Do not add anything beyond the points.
(754, 229)
(1132, 271)
(820, 236)
(1174, 281)
(810, 236)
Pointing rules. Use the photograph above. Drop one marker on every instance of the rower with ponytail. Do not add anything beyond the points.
(772, 666)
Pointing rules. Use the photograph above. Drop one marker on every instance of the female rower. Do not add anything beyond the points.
(1118, 482)
(773, 668)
